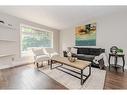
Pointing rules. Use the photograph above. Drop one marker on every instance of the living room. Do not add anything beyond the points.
(32, 41)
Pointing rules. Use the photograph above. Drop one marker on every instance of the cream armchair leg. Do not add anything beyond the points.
(41, 59)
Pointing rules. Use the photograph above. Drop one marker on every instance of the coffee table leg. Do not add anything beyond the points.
(83, 80)
(81, 77)
(51, 65)
(89, 70)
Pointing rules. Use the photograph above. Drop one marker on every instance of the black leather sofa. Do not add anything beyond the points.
(87, 54)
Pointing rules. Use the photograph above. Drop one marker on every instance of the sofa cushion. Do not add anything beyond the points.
(89, 51)
(85, 57)
(95, 51)
(83, 50)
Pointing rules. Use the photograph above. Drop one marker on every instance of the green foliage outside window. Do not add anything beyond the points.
(33, 38)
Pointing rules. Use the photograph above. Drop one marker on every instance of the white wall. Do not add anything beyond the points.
(6, 48)
(111, 30)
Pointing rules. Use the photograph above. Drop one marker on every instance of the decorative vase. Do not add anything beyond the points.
(72, 59)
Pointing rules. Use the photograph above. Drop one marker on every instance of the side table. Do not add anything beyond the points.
(116, 57)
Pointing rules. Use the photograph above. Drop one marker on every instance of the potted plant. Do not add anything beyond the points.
(120, 51)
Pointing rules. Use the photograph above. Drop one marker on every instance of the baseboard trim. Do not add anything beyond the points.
(17, 66)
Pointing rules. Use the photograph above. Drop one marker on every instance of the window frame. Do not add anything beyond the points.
(36, 28)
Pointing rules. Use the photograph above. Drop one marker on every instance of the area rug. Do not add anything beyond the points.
(95, 81)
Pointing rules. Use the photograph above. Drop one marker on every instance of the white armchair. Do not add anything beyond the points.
(40, 56)
(51, 52)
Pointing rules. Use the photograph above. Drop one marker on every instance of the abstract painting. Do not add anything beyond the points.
(85, 35)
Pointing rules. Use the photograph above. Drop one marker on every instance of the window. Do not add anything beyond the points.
(33, 37)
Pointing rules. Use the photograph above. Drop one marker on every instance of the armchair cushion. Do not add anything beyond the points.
(54, 54)
(38, 51)
(42, 58)
(51, 52)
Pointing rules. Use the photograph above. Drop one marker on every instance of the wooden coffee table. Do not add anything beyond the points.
(78, 64)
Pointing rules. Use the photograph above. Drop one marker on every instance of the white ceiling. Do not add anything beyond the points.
(59, 17)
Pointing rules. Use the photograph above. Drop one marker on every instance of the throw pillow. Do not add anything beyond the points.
(74, 50)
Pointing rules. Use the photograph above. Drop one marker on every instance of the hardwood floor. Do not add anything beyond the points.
(116, 79)
(28, 77)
